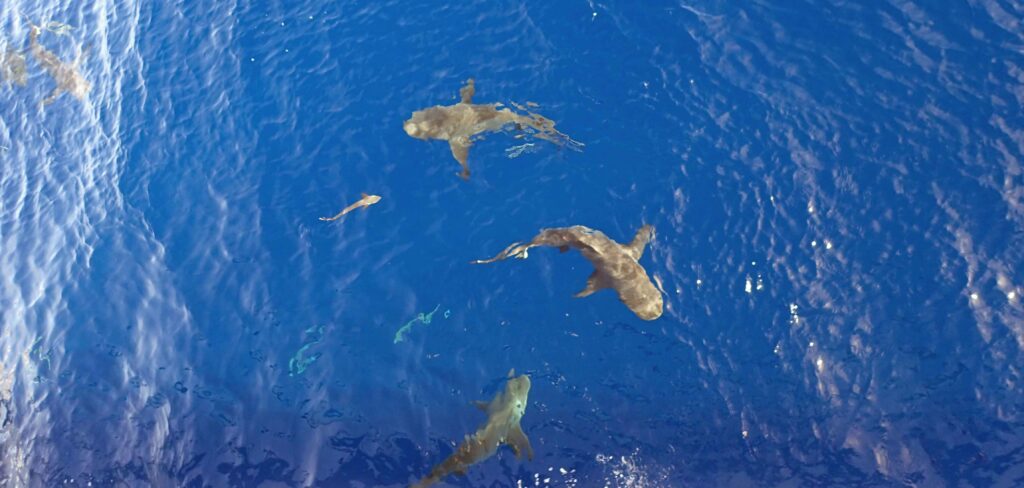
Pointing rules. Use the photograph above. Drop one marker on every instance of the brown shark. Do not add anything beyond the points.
(69, 79)
(504, 413)
(616, 265)
(459, 123)
(366, 201)
(12, 67)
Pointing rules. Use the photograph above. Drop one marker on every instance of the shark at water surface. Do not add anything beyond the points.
(69, 79)
(459, 123)
(504, 413)
(616, 265)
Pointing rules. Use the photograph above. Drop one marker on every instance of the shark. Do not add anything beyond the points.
(12, 67)
(616, 265)
(67, 75)
(363, 202)
(460, 123)
(504, 414)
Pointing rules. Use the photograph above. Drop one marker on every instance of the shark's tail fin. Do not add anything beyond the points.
(516, 249)
(640, 240)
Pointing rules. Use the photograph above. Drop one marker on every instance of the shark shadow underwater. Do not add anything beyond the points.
(459, 123)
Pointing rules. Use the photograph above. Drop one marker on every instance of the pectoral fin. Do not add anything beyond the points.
(596, 282)
(460, 149)
(519, 442)
(480, 404)
(53, 95)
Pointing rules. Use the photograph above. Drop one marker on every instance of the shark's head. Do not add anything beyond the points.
(642, 298)
(425, 124)
(79, 87)
(517, 390)
(651, 309)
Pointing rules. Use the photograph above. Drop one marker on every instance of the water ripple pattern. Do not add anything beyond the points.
(837, 188)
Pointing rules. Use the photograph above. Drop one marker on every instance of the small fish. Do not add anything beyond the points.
(366, 201)
(422, 318)
(616, 265)
(504, 414)
(459, 123)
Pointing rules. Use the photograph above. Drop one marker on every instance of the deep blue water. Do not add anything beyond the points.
(837, 189)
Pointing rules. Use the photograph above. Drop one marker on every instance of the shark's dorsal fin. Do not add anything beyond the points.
(596, 282)
(519, 442)
(511, 373)
(365, 195)
(468, 91)
(460, 149)
(643, 236)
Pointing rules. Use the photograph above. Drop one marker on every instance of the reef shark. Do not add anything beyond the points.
(366, 201)
(504, 413)
(458, 123)
(69, 79)
(616, 265)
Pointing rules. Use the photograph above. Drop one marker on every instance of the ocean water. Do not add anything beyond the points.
(837, 189)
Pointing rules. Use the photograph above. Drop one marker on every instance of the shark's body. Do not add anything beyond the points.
(366, 201)
(12, 67)
(459, 123)
(615, 265)
(69, 79)
(504, 413)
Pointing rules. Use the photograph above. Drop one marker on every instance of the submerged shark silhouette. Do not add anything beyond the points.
(458, 123)
(615, 265)
(12, 67)
(67, 76)
(504, 413)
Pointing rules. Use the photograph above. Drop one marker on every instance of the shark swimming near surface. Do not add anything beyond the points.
(363, 202)
(69, 79)
(459, 123)
(504, 413)
(616, 265)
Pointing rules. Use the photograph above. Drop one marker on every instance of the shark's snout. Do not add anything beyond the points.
(651, 309)
(419, 130)
(411, 128)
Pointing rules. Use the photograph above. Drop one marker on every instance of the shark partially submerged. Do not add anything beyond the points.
(459, 123)
(502, 427)
(616, 265)
(69, 79)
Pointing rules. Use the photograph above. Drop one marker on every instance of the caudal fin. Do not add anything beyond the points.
(640, 241)
(516, 249)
